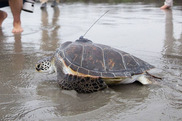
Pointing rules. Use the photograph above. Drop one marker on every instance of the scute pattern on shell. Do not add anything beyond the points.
(101, 60)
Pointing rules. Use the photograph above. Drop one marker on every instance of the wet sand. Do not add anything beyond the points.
(141, 29)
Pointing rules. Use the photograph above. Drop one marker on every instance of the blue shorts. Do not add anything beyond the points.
(4, 3)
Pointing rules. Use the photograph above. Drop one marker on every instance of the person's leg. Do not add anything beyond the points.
(3, 16)
(16, 6)
(43, 4)
(167, 4)
(43, 1)
(55, 3)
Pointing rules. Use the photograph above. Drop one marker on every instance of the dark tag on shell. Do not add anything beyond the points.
(81, 39)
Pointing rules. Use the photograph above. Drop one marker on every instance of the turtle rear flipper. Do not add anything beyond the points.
(82, 84)
(144, 80)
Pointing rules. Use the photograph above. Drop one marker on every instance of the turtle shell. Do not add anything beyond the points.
(91, 59)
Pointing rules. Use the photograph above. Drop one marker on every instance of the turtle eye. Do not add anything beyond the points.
(38, 67)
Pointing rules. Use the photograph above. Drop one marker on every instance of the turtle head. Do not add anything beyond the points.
(46, 65)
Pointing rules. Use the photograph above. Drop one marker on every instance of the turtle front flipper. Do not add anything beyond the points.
(82, 84)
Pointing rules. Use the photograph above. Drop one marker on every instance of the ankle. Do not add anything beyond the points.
(165, 7)
(16, 23)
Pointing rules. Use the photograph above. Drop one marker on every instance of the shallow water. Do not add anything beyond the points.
(141, 29)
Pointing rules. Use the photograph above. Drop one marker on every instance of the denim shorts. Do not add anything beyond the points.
(4, 3)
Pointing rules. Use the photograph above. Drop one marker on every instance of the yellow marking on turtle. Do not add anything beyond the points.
(113, 81)
(111, 63)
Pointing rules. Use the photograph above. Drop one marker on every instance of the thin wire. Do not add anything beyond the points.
(95, 22)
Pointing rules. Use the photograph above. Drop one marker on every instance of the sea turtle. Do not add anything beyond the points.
(87, 67)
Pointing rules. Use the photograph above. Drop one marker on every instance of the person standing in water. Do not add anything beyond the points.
(16, 7)
(167, 4)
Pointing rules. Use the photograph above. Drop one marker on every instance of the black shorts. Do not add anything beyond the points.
(4, 3)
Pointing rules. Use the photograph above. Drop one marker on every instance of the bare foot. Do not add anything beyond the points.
(165, 7)
(3, 15)
(17, 27)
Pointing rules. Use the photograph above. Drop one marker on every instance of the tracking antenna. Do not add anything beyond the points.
(95, 22)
